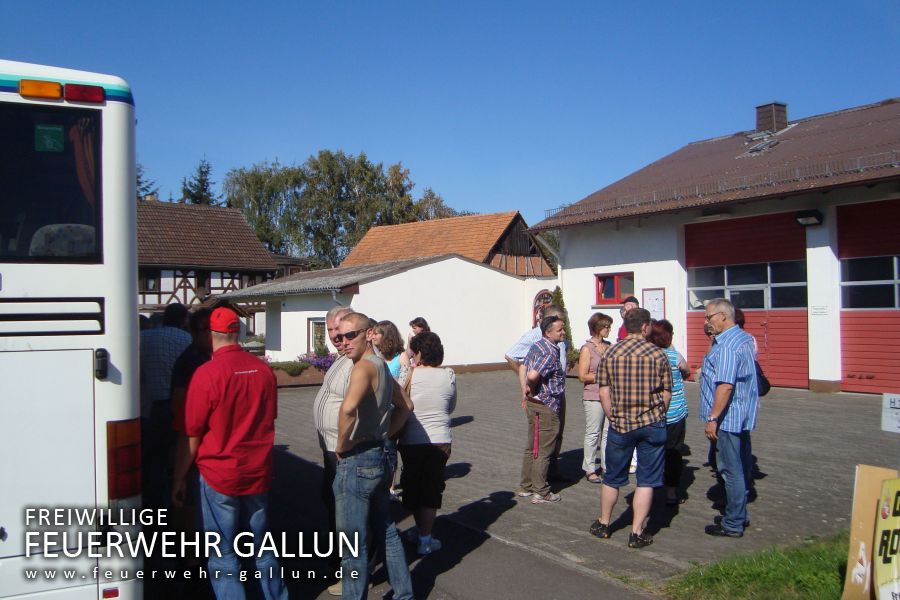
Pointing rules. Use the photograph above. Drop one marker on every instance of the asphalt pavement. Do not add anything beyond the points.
(495, 546)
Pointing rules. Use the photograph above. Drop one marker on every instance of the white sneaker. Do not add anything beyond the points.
(430, 546)
(548, 499)
(523, 494)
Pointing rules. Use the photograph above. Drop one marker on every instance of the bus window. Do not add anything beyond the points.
(50, 200)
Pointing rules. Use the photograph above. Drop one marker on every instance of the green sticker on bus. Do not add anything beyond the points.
(49, 138)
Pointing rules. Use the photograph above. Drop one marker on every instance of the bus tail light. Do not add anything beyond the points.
(111, 593)
(123, 447)
(76, 92)
(34, 88)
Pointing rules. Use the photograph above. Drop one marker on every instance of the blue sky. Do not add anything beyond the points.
(495, 105)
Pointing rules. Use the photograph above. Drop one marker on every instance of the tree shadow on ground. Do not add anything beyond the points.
(461, 533)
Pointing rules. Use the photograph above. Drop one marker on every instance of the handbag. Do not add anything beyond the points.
(762, 382)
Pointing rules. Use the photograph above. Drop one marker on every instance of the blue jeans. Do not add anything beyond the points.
(650, 441)
(360, 494)
(228, 516)
(735, 459)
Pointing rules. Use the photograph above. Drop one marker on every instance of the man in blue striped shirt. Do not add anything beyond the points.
(728, 404)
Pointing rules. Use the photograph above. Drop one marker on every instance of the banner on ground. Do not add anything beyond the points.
(867, 492)
(887, 541)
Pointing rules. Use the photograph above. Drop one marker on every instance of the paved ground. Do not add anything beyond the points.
(806, 445)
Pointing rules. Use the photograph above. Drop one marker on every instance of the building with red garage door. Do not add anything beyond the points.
(795, 221)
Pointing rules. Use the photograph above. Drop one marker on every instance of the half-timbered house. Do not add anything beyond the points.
(190, 253)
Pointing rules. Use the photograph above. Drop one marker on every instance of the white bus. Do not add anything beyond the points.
(69, 410)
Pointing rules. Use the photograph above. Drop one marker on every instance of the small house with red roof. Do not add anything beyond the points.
(474, 278)
(795, 221)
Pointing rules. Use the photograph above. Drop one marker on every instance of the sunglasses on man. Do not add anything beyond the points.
(350, 335)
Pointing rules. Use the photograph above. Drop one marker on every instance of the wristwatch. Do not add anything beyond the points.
(712, 419)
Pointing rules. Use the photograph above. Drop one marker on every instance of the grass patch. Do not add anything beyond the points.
(291, 367)
(813, 570)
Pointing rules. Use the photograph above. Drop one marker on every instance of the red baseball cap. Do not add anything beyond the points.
(224, 320)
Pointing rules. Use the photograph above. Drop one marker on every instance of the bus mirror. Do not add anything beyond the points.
(101, 363)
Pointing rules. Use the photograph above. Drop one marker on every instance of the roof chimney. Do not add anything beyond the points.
(771, 117)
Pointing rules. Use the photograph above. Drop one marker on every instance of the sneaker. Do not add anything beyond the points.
(639, 540)
(523, 494)
(718, 521)
(429, 546)
(395, 495)
(600, 530)
(546, 499)
(719, 531)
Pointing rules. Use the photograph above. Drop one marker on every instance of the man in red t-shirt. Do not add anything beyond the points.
(229, 416)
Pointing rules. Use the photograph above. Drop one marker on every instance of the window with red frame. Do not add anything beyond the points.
(612, 288)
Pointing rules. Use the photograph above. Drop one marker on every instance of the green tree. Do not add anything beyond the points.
(432, 206)
(324, 207)
(571, 352)
(198, 189)
(145, 186)
(268, 196)
(346, 195)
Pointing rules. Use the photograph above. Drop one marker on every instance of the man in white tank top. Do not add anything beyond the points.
(374, 408)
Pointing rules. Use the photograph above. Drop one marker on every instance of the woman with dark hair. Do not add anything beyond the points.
(417, 325)
(389, 345)
(595, 425)
(660, 334)
(425, 443)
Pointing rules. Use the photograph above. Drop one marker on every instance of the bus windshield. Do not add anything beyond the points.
(50, 192)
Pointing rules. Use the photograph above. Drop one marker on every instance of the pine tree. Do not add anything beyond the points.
(198, 189)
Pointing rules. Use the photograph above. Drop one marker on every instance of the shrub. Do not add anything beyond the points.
(291, 367)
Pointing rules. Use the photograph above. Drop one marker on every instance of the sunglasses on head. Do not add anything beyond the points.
(349, 336)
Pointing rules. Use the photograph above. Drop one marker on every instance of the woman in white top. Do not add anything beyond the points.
(426, 439)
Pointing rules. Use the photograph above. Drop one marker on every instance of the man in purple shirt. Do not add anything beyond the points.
(546, 398)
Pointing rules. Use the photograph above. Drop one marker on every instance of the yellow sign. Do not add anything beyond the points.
(887, 542)
(867, 492)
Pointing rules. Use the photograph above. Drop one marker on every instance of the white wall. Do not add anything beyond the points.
(286, 323)
(653, 249)
(823, 274)
(479, 312)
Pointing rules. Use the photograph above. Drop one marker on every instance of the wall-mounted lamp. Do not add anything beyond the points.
(807, 218)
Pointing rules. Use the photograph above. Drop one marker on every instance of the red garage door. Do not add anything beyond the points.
(869, 248)
(760, 264)
(781, 336)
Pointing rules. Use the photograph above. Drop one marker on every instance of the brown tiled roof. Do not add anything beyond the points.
(472, 236)
(840, 148)
(208, 237)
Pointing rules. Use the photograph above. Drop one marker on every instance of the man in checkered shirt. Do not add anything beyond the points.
(635, 389)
